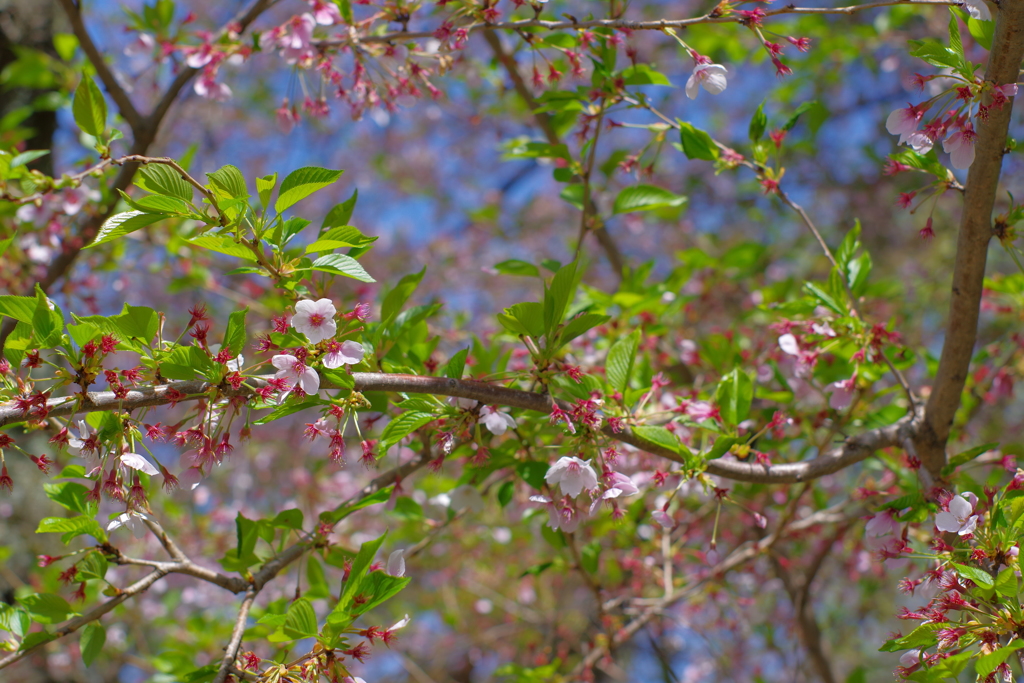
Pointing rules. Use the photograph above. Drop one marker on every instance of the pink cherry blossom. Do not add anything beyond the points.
(325, 13)
(572, 475)
(958, 517)
(960, 147)
(347, 353)
(904, 122)
(315, 319)
(295, 372)
(496, 421)
(206, 86)
(664, 519)
(710, 76)
(561, 514)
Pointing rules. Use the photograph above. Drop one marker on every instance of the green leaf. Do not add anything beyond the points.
(456, 364)
(642, 74)
(357, 574)
(47, 608)
(517, 267)
(89, 108)
(245, 536)
(965, 457)
(122, 224)
(758, 122)
(659, 436)
(234, 335)
(397, 297)
(340, 264)
(300, 620)
(288, 408)
(93, 566)
(265, 187)
(345, 509)
(982, 31)
(524, 318)
(921, 637)
(288, 519)
(988, 663)
(380, 587)
(21, 308)
(573, 194)
(697, 144)
(402, 426)
(800, 111)
(646, 198)
(533, 472)
(157, 203)
(734, 395)
(955, 44)
(28, 157)
(161, 179)
(303, 182)
(228, 181)
(223, 244)
(590, 554)
(558, 297)
(69, 495)
(138, 322)
(619, 363)
(71, 527)
(94, 637)
(978, 576)
(341, 236)
(580, 324)
(505, 493)
(341, 214)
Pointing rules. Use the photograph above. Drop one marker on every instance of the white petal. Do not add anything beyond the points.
(692, 86)
(396, 563)
(137, 462)
(787, 343)
(309, 381)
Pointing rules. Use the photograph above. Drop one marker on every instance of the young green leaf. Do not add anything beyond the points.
(89, 108)
(301, 183)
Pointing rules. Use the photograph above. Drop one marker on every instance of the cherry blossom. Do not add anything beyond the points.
(978, 9)
(920, 142)
(561, 515)
(618, 485)
(496, 421)
(789, 345)
(663, 519)
(960, 147)
(347, 353)
(294, 371)
(325, 13)
(572, 475)
(206, 86)
(842, 393)
(904, 122)
(131, 520)
(315, 319)
(710, 76)
(463, 403)
(465, 497)
(958, 517)
(137, 462)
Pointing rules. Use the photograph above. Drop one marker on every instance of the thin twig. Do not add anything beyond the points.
(231, 652)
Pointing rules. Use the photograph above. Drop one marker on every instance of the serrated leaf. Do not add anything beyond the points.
(27, 157)
(122, 224)
(619, 363)
(265, 188)
(301, 183)
(288, 408)
(71, 527)
(397, 297)
(658, 436)
(47, 608)
(579, 325)
(89, 108)
(21, 308)
(234, 335)
(988, 663)
(228, 181)
(341, 214)
(223, 244)
(646, 198)
(161, 179)
(558, 297)
(340, 264)
(300, 620)
(979, 576)
(402, 426)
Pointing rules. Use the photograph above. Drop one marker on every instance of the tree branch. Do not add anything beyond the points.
(231, 652)
(630, 25)
(972, 244)
(851, 451)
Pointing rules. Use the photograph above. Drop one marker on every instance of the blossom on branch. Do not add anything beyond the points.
(572, 475)
(710, 76)
(315, 319)
(957, 517)
(295, 372)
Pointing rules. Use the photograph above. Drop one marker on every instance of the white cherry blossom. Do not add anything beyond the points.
(396, 563)
(137, 462)
(710, 76)
(347, 353)
(315, 319)
(958, 517)
(296, 372)
(495, 421)
(572, 475)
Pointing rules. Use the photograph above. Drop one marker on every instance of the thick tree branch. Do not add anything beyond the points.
(972, 244)
(850, 452)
